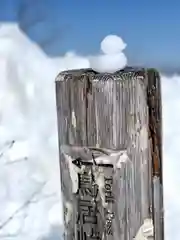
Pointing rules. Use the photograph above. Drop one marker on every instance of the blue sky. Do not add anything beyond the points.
(150, 28)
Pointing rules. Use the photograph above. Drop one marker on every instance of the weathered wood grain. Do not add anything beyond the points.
(110, 153)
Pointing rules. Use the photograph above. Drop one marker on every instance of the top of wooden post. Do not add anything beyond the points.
(136, 71)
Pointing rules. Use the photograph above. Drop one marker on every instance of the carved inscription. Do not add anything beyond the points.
(109, 200)
(108, 189)
(94, 221)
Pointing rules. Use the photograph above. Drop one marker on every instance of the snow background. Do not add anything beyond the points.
(29, 172)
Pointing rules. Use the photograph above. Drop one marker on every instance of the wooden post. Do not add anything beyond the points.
(109, 128)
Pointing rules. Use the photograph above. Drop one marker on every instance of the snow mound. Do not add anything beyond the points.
(29, 170)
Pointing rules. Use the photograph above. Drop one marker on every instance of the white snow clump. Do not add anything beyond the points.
(112, 59)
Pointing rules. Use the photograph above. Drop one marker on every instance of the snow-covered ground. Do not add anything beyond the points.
(29, 171)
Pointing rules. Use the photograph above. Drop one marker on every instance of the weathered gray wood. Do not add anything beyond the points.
(110, 153)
